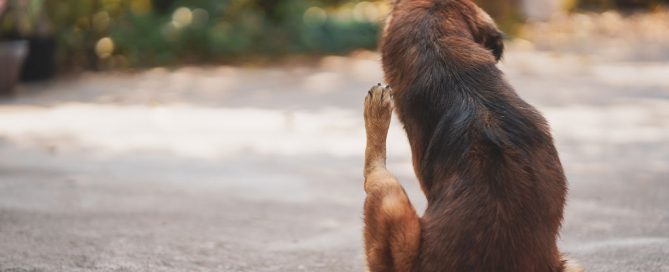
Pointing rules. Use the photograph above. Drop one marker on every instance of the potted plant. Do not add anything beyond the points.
(26, 20)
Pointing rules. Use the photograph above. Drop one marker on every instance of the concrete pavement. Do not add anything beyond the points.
(259, 169)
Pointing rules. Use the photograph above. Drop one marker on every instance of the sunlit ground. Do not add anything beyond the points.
(259, 169)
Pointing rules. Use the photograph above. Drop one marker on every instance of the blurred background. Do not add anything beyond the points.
(202, 135)
(77, 35)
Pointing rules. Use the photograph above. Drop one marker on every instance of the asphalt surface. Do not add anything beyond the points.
(260, 169)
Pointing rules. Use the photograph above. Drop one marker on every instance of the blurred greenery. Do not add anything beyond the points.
(100, 34)
(208, 30)
(119, 33)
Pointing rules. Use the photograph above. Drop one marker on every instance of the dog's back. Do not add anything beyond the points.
(484, 157)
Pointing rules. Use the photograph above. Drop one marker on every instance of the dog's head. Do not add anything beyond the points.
(458, 17)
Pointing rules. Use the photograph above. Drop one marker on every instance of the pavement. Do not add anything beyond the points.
(260, 168)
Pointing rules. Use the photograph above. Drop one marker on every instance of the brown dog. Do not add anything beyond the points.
(485, 159)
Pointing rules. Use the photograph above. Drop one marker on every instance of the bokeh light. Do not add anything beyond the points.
(182, 17)
(140, 6)
(104, 48)
(200, 17)
(315, 16)
(101, 21)
(366, 11)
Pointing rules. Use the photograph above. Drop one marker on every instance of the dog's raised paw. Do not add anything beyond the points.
(378, 106)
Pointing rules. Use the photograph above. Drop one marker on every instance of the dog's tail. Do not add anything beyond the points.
(571, 266)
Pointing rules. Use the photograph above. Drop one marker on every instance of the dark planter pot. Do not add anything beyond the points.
(41, 61)
(12, 56)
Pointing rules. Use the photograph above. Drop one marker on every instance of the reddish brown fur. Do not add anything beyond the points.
(484, 158)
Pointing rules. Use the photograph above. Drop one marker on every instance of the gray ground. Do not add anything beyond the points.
(249, 169)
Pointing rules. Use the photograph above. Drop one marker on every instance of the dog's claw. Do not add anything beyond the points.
(380, 91)
(378, 107)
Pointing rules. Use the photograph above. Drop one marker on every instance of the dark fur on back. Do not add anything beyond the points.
(485, 158)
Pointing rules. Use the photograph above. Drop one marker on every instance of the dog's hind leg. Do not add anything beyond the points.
(392, 228)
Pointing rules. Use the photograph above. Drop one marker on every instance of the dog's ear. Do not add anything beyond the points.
(487, 33)
(494, 41)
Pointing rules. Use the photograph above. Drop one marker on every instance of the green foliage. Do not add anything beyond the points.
(207, 30)
(118, 33)
(22, 18)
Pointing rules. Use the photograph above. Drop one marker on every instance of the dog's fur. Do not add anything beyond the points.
(485, 159)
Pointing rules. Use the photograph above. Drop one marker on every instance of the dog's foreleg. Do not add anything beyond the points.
(392, 228)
